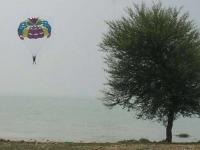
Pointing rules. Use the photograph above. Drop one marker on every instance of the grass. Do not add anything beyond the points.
(122, 145)
(142, 140)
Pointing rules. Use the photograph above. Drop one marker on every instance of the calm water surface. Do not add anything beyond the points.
(76, 119)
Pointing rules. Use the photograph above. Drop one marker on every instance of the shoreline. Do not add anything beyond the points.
(46, 141)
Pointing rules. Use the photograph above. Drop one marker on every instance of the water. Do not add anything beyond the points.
(76, 119)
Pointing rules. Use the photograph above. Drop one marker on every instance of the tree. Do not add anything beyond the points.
(153, 64)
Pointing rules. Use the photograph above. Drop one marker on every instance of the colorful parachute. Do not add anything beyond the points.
(34, 28)
(33, 32)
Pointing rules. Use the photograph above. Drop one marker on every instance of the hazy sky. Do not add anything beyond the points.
(69, 64)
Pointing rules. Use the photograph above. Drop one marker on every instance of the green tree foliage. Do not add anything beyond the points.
(153, 63)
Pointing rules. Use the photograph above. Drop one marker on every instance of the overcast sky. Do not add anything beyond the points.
(69, 63)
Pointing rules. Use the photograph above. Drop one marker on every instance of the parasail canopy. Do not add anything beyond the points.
(34, 28)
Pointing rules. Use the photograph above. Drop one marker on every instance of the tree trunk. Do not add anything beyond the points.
(169, 127)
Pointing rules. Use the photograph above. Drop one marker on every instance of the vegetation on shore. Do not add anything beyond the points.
(153, 64)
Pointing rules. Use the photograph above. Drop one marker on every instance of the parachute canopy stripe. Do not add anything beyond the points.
(34, 28)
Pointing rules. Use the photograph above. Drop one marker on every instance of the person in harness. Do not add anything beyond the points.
(34, 59)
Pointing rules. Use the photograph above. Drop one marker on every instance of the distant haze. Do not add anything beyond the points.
(69, 64)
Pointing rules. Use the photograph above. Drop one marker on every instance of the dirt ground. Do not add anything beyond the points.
(21, 145)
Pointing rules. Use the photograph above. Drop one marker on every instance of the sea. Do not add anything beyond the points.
(67, 119)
